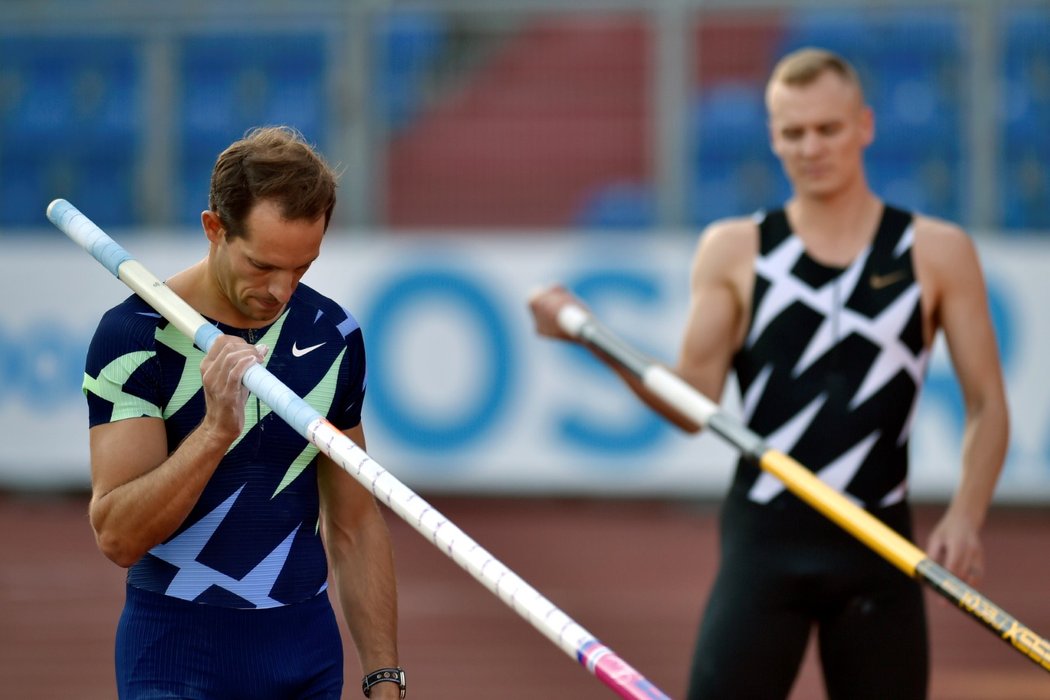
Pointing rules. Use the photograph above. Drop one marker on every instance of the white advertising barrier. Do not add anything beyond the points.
(462, 396)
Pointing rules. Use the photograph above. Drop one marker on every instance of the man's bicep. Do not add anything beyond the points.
(708, 343)
(966, 320)
(716, 316)
(343, 497)
(124, 450)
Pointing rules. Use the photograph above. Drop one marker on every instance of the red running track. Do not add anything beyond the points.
(633, 573)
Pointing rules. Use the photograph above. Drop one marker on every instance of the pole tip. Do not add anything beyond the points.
(51, 207)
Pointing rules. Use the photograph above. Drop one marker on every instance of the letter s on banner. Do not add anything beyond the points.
(640, 429)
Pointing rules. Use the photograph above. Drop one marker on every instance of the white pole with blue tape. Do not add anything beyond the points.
(573, 639)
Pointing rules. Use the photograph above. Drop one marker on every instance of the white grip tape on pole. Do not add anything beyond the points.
(683, 396)
(572, 319)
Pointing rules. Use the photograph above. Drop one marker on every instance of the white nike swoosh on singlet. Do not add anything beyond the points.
(299, 352)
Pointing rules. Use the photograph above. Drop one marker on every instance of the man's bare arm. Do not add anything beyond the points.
(358, 545)
(948, 267)
(139, 493)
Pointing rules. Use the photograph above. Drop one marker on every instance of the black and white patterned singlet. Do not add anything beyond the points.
(833, 363)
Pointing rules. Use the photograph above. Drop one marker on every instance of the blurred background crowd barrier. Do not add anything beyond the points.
(509, 113)
(487, 146)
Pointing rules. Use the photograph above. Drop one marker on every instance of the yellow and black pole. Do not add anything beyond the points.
(802, 482)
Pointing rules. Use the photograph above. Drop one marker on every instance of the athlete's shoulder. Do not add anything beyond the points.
(132, 317)
(945, 257)
(129, 327)
(738, 226)
(939, 229)
(325, 309)
(730, 239)
(940, 239)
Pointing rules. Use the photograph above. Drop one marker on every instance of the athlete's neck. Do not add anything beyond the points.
(199, 288)
(835, 229)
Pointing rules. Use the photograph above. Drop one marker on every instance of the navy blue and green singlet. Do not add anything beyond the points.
(252, 541)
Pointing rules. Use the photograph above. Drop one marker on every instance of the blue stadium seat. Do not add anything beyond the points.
(736, 187)
(713, 196)
(843, 30)
(408, 42)
(70, 126)
(920, 31)
(234, 83)
(1024, 175)
(76, 93)
(729, 120)
(102, 185)
(1025, 188)
(619, 206)
(913, 122)
(23, 193)
(105, 190)
(928, 184)
(192, 188)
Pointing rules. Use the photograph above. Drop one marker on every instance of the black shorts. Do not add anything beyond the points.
(785, 570)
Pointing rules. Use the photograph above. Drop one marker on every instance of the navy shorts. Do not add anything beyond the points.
(171, 648)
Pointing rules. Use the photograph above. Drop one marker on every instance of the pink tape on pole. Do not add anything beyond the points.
(617, 673)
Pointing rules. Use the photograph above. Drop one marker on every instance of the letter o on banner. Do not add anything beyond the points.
(405, 299)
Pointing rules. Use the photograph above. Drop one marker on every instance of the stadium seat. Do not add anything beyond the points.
(407, 43)
(843, 30)
(233, 83)
(78, 93)
(619, 206)
(23, 194)
(736, 187)
(105, 187)
(1025, 187)
(728, 120)
(928, 184)
(1025, 139)
(70, 112)
(102, 185)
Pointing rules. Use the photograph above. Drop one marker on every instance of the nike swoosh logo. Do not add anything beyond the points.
(299, 352)
(881, 281)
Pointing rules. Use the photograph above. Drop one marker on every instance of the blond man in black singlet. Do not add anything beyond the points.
(826, 311)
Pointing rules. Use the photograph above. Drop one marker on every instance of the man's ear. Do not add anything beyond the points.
(868, 125)
(212, 225)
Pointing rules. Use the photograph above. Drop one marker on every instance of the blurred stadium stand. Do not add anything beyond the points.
(230, 83)
(1025, 114)
(557, 108)
(70, 116)
(513, 117)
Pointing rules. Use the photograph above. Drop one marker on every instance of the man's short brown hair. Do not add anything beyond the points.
(271, 163)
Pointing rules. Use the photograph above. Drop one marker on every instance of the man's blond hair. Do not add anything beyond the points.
(803, 66)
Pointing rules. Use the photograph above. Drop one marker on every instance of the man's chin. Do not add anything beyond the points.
(262, 313)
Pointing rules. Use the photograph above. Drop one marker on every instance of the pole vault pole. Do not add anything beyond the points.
(886, 542)
(573, 639)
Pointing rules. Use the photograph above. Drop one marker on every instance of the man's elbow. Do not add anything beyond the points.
(114, 545)
(117, 551)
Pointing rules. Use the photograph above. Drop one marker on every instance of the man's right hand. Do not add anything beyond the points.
(545, 305)
(221, 372)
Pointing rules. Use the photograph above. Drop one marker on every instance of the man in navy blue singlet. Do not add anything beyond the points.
(226, 518)
(825, 310)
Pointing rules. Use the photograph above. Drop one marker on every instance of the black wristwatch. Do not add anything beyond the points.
(384, 675)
